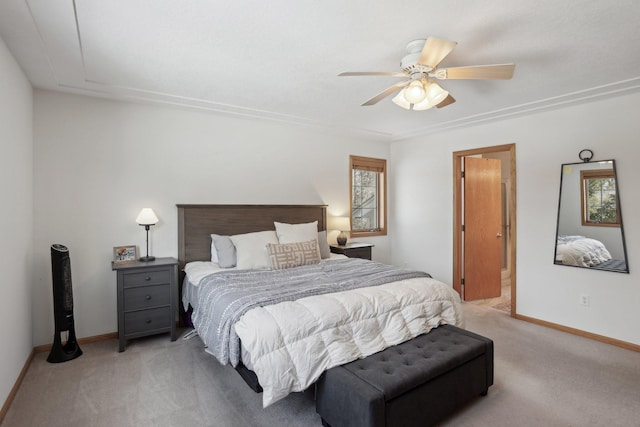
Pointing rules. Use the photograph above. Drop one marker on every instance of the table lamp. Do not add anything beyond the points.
(147, 218)
(340, 223)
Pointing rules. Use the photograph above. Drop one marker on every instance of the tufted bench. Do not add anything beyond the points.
(416, 383)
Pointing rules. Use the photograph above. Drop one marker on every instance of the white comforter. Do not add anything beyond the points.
(292, 343)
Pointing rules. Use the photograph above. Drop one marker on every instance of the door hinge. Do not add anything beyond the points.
(462, 281)
(462, 227)
(462, 174)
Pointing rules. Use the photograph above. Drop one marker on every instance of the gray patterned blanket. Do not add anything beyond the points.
(224, 297)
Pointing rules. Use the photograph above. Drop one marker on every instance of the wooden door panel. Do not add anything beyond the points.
(482, 228)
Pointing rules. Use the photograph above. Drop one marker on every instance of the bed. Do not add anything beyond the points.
(271, 322)
(581, 251)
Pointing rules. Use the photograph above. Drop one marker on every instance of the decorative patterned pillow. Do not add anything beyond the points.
(288, 255)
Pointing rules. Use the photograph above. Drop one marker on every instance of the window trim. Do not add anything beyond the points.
(591, 174)
(374, 165)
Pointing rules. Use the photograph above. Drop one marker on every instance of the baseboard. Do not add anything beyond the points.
(585, 334)
(16, 386)
(41, 349)
(87, 340)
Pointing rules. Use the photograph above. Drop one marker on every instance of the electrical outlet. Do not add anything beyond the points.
(585, 300)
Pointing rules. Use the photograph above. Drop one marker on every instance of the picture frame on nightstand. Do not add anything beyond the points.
(125, 254)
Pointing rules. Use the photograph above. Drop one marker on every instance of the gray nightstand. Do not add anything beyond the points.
(353, 250)
(147, 298)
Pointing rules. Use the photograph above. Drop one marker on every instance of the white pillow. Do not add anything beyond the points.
(225, 251)
(294, 233)
(323, 245)
(251, 249)
(214, 252)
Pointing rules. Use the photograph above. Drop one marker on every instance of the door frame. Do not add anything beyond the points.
(457, 214)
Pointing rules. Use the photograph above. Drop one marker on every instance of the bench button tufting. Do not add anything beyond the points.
(386, 381)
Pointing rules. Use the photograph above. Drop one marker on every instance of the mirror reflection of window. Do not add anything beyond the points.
(599, 199)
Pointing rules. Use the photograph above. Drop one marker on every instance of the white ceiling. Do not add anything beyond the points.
(279, 60)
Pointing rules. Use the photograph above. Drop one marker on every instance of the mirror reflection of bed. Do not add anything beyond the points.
(590, 231)
(581, 251)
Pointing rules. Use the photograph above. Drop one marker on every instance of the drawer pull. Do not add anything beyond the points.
(147, 321)
(147, 297)
(147, 278)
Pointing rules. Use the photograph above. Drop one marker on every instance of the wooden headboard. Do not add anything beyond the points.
(196, 223)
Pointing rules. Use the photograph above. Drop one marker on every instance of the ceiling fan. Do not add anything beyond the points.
(419, 67)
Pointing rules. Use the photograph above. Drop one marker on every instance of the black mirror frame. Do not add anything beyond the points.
(618, 205)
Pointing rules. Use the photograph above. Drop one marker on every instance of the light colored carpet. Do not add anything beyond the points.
(502, 303)
(543, 377)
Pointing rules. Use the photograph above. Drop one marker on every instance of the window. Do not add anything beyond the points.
(368, 196)
(599, 198)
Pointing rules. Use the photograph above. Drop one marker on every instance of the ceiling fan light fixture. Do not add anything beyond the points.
(415, 93)
(435, 93)
(424, 105)
(401, 101)
(420, 66)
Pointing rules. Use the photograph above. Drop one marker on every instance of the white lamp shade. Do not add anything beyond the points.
(415, 92)
(435, 93)
(401, 101)
(424, 105)
(147, 217)
(340, 223)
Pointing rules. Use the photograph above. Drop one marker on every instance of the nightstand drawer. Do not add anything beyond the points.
(147, 320)
(353, 250)
(149, 277)
(364, 253)
(147, 296)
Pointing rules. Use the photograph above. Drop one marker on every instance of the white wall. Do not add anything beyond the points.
(98, 162)
(421, 191)
(16, 219)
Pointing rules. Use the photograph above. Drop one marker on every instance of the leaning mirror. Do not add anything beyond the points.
(589, 232)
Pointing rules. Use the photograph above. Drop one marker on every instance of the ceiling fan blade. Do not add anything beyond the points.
(435, 50)
(447, 101)
(499, 72)
(374, 73)
(385, 93)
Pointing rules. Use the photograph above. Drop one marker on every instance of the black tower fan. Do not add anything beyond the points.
(62, 307)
